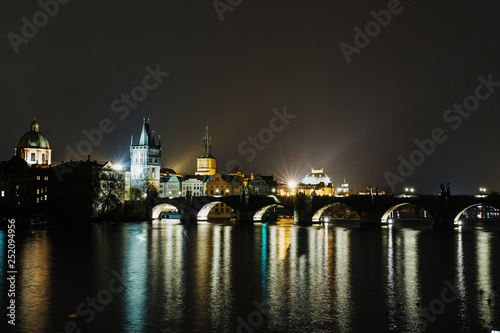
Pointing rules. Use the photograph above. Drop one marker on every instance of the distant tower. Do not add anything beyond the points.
(34, 148)
(206, 162)
(145, 160)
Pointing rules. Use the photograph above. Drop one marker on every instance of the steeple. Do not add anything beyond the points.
(207, 145)
(145, 133)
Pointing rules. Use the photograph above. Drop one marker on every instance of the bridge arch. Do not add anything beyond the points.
(207, 208)
(161, 207)
(317, 216)
(457, 217)
(385, 217)
(258, 214)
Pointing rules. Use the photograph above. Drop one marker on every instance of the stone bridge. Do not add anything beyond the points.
(444, 209)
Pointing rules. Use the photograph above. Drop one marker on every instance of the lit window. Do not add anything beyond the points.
(46, 178)
(45, 197)
(3, 194)
(37, 191)
(37, 177)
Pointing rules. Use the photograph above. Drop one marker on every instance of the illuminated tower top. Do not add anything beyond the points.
(206, 163)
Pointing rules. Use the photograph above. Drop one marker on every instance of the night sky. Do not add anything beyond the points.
(352, 119)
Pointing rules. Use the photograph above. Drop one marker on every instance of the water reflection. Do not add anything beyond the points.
(343, 304)
(221, 297)
(202, 278)
(34, 289)
(136, 276)
(309, 282)
(484, 275)
(403, 279)
(460, 280)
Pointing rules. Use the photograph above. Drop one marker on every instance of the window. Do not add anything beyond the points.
(3, 194)
(32, 157)
(46, 177)
(43, 158)
(37, 177)
(37, 191)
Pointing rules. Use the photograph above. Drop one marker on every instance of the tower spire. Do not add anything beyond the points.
(145, 133)
(207, 144)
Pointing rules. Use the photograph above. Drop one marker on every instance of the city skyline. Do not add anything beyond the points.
(354, 119)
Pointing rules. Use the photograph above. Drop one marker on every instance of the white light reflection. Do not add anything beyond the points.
(174, 246)
(220, 279)
(136, 277)
(343, 303)
(460, 280)
(411, 278)
(484, 272)
(390, 288)
(403, 279)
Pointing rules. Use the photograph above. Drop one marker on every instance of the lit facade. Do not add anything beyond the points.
(206, 163)
(316, 183)
(145, 160)
(34, 148)
(193, 186)
(344, 189)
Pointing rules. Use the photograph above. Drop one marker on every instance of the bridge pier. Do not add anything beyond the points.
(371, 217)
(188, 215)
(244, 215)
(302, 209)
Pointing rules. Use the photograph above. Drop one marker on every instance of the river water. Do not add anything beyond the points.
(163, 277)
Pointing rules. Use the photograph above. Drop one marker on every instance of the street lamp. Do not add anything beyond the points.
(409, 190)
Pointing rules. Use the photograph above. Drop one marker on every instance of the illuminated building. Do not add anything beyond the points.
(145, 160)
(262, 185)
(206, 163)
(316, 177)
(34, 148)
(193, 185)
(170, 187)
(344, 189)
(316, 183)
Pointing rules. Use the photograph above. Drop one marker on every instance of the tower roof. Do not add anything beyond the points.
(207, 146)
(33, 138)
(147, 138)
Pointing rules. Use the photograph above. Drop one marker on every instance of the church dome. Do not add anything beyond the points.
(33, 138)
(315, 177)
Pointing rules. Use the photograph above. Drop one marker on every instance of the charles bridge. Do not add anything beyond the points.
(445, 209)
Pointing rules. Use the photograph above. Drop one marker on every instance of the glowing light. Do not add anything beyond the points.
(292, 184)
(117, 167)
(141, 238)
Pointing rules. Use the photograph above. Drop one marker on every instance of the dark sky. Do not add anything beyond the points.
(353, 120)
